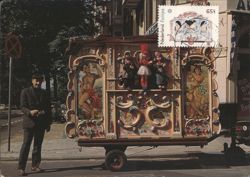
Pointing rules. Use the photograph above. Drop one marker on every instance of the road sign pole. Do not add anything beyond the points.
(1, 56)
(13, 49)
(9, 112)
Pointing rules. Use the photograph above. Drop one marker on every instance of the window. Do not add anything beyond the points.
(118, 7)
(162, 2)
(182, 1)
(174, 2)
(244, 41)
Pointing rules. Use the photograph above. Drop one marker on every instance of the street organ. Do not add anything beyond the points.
(128, 92)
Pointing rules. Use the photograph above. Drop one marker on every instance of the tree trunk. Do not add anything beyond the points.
(47, 80)
(1, 78)
(55, 87)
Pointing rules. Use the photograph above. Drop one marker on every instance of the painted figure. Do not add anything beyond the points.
(89, 101)
(130, 71)
(160, 64)
(144, 61)
(197, 92)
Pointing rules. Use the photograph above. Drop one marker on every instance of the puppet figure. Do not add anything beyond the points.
(160, 70)
(144, 61)
(130, 71)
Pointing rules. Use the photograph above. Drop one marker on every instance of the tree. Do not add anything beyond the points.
(44, 27)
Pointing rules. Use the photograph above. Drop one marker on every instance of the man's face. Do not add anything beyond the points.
(36, 83)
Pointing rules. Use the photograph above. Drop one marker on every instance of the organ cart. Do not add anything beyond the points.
(129, 92)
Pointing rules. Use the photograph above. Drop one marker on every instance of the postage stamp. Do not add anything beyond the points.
(188, 26)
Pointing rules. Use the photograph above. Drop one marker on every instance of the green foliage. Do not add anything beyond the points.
(44, 27)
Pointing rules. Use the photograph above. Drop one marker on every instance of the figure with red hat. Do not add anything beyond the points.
(144, 61)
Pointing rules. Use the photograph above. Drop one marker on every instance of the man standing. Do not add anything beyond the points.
(35, 105)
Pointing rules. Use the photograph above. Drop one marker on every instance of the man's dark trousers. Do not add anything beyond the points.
(30, 133)
(34, 127)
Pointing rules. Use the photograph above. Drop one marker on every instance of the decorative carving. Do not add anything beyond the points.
(198, 127)
(91, 128)
(196, 58)
(129, 69)
(70, 130)
(111, 85)
(154, 108)
(157, 117)
(89, 95)
(144, 69)
(123, 105)
(130, 118)
(71, 116)
(200, 78)
(111, 113)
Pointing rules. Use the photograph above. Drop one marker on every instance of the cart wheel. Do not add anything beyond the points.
(110, 148)
(115, 160)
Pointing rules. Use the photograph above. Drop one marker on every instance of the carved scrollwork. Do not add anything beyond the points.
(90, 58)
(91, 128)
(130, 118)
(156, 112)
(196, 58)
(157, 117)
(154, 108)
(163, 105)
(123, 104)
(130, 115)
(70, 130)
(70, 80)
(198, 127)
(71, 116)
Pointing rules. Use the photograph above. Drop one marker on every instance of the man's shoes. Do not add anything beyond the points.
(37, 169)
(22, 173)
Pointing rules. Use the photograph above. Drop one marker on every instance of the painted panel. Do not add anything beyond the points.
(90, 99)
(197, 92)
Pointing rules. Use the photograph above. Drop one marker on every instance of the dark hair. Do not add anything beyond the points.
(37, 76)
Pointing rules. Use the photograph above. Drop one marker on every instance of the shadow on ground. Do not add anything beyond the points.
(192, 161)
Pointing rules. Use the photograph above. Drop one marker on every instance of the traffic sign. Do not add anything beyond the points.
(13, 46)
(13, 49)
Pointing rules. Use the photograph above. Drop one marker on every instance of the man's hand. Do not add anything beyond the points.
(48, 129)
(34, 113)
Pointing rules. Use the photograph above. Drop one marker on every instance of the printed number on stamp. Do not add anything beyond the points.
(188, 26)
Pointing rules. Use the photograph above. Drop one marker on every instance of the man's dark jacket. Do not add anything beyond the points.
(35, 99)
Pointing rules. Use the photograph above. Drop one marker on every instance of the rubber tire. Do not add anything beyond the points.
(110, 148)
(115, 160)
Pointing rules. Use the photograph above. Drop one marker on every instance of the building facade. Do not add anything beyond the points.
(139, 17)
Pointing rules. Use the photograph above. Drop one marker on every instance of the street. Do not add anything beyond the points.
(61, 157)
(200, 165)
(15, 117)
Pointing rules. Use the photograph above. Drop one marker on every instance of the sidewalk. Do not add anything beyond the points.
(57, 147)
(15, 114)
